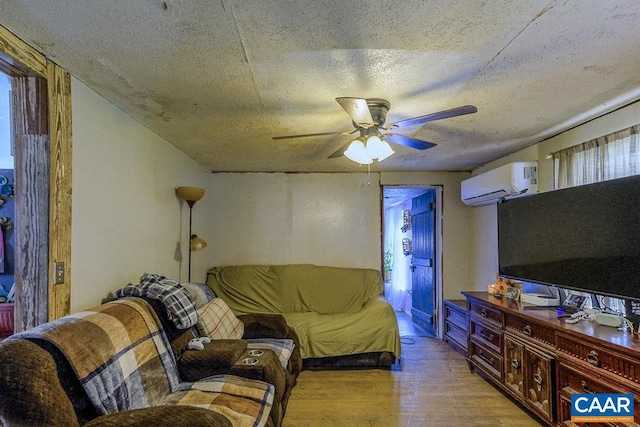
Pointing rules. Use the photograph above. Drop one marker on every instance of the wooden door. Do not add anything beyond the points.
(423, 300)
(538, 380)
(513, 351)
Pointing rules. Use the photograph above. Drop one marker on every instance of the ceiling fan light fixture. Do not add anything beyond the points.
(358, 153)
(378, 148)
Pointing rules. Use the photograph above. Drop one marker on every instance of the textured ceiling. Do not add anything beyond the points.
(219, 79)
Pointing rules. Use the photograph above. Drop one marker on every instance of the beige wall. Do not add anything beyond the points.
(484, 220)
(278, 218)
(126, 217)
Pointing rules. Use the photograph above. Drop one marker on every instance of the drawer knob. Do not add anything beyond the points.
(489, 360)
(489, 337)
(585, 387)
(593, 358)
(515, 363)
(483, 312)
(527, 330)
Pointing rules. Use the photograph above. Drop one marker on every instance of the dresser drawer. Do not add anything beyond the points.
(600, 358)
(485, 334)
(454, 333)
(571, 381)
(543, 335)
(455, 315)
(486, 359)
(490, 314)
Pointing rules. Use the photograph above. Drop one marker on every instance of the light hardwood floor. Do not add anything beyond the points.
(432, 387)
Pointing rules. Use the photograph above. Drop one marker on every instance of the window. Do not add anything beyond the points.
(608, 157)
(611, 156)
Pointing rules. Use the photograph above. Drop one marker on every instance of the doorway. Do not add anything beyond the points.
(412, 253)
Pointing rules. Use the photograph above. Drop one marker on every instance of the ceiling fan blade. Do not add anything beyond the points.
(309, 135)
(408, 141)
(445, 114)
(358, 110)
(340, 151)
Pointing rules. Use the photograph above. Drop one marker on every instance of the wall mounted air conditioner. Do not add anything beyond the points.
(508, 181)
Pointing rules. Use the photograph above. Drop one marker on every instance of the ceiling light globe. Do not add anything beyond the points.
(378, 149)
(358, 153)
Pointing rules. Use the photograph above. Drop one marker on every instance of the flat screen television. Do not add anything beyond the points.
(584, 238)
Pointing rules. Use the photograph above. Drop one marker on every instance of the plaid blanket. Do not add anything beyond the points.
(281, 347)
(181, 307)
(123, 360)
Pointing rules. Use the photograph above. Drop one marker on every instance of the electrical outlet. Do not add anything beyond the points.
(58, 273)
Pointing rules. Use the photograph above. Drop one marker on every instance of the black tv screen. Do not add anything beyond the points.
(584, 238)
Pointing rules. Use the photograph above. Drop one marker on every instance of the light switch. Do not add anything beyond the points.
(58, 273)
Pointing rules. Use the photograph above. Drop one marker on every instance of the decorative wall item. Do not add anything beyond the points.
(407, 246)
(406, 220)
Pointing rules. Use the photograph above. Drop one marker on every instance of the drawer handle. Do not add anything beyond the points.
(585, 387)
(489, 337)
(593, 358)
(515, 363)
(538, 379)
(485, 358)
(527, 330)
(483, 312)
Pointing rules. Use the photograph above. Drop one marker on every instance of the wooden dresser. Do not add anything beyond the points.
(540, 361)
(456, 324)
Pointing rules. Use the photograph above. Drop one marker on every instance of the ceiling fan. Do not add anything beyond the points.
(368, 116)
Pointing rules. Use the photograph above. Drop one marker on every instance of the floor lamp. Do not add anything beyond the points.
(191, 195)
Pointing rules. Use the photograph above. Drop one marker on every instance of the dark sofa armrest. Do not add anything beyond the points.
(162, 416)
(266, 325)
(218, 356)
(30, 390)
(262, 325)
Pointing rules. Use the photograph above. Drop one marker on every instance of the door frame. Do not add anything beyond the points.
(38, 299)
(439, 304)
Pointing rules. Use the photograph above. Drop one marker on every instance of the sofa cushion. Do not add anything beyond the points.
(200, 293)
(246, 288)
(217, 321)
(326, 290)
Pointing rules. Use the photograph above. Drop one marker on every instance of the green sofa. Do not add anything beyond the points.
(339, 314)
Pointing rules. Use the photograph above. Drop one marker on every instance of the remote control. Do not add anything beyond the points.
(198, 343)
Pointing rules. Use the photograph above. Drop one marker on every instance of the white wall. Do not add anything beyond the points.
(277, 218)
(484, 219)
(126, 219)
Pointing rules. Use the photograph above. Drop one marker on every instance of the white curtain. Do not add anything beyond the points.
(400, 283)
(611, 156)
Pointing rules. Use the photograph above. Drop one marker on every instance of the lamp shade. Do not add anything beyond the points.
(378, 149)
(358, 153)
(190, 194)
(197, 244)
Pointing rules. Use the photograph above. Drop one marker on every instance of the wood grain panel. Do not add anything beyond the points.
(18, 58)
(32, 217)
(60, 177)
(42, 134)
